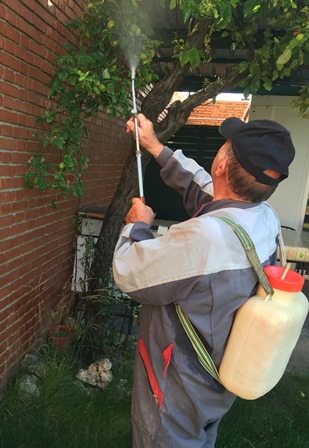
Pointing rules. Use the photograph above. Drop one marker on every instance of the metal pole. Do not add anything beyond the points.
(138, 151)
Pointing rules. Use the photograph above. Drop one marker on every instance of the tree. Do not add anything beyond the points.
(117, 36)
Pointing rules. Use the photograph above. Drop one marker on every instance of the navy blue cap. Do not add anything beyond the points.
(260, 145)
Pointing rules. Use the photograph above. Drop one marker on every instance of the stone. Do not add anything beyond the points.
(33, 365)
(29, 384)
(98, 374)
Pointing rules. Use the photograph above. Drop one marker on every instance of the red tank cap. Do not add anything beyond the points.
(293, 281)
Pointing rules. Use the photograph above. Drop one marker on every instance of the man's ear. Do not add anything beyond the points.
(222, 167)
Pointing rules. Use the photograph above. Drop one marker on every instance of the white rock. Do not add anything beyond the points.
(98, 374)
(29, 384)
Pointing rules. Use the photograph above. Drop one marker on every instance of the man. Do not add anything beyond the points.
(200, 264)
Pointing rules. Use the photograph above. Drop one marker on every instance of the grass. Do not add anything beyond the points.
(66, 414)
(277, 420)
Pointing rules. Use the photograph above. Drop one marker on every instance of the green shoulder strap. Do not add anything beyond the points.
(202, 353)
(251, 253)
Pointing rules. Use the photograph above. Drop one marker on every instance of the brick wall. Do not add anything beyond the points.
(214, 113)
(36, 241)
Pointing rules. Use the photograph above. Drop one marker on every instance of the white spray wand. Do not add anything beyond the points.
(138, 151)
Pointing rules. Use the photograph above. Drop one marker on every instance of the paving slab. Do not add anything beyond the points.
(299, 361)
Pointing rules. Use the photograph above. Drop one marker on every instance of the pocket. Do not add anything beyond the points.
(167, 355)
(154, 384)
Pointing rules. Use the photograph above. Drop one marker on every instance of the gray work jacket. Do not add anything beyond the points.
(201, 264)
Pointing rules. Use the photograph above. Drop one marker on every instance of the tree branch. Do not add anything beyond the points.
(221, 85)
(179, 112)
(158, 99)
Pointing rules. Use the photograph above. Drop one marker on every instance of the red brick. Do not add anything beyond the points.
(37, 242)
(217, 112)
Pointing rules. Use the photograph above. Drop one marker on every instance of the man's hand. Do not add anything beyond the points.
(146, 134)
(140, 212)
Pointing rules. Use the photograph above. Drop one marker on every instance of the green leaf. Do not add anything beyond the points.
(247, 92)
(225, 12)
(243, 84)
(42, 184)
(58, 142)
(49, 118)
(28, 182)
(73, 79)
(284, 57)
(275, 75)
(251, 6)
(186, 14)
(63, 75)
(255, 83)
(106, 74)
(293, 43)
(268, 85)
(54, 87)
(68, 161)
(193, 56)
(287, 71)
(58, 176)
(254, 68)
(183, 58)
(301, 57)
(187, 11)
(243, 66)
(173, 4)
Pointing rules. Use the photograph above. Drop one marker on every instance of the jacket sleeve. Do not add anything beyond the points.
(158, 271)
(188, 178)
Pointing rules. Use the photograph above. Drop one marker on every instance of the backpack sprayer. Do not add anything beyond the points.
(138, 151)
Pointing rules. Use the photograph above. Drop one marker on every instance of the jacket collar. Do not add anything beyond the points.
(224, 203)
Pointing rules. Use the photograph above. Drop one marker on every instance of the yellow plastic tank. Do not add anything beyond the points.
(263, 336)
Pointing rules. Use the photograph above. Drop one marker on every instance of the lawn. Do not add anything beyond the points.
(277, 420)
(63, 413)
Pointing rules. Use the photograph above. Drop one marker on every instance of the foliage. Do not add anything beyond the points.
(92, 74)
(115, 37)
(302, 102)
(288, 51)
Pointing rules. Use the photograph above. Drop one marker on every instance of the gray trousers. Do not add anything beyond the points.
(141, 439)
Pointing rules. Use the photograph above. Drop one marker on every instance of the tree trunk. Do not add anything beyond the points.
(114, 219)
(96, 322)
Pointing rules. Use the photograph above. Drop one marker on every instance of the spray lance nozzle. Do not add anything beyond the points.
(134, 110)
(138, 152)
